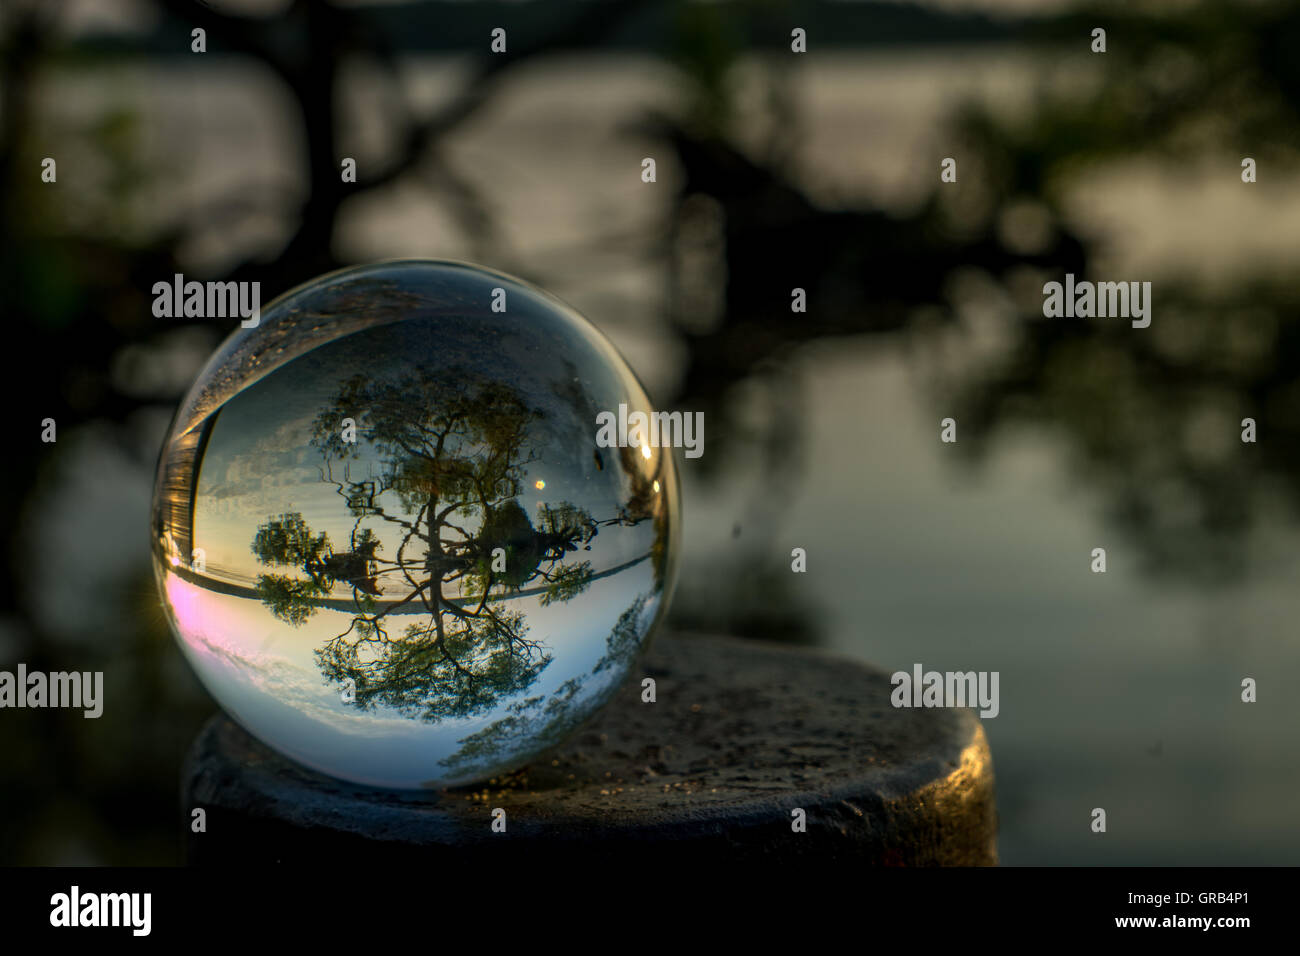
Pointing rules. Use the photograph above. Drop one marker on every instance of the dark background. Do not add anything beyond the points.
(819, 171)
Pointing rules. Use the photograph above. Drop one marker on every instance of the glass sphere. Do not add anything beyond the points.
(386, 537)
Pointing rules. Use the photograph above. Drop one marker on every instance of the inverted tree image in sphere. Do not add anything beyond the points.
(384, 533)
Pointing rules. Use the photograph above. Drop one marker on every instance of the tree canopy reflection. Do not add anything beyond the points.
(453, 451)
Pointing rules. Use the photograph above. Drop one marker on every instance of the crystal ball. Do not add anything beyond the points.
(387, 538)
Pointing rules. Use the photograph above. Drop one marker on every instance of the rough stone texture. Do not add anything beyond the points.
(741, 734)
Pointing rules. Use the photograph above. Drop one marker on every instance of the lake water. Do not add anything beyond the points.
(1116, 692)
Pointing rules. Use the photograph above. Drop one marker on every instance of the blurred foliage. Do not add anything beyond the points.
(1153, 416)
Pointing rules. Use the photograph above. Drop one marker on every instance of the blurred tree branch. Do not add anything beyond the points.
(331, 35)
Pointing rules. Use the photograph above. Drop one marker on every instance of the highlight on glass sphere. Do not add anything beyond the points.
(386, 538)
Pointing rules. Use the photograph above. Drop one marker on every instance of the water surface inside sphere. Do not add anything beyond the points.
(385, 535)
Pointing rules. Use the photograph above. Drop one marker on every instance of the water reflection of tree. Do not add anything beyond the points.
(452, 453)
(1152, 422)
